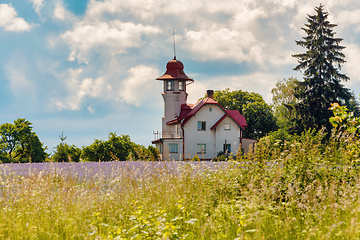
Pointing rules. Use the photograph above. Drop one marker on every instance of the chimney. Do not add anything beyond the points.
(210, 93)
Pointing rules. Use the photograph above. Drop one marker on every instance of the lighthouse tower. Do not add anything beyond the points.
(174, 94)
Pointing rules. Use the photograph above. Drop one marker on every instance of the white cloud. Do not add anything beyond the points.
(10, 21)
(38, 5)
(212, 30)
(80, 89)
(139, 86)
(223, 44)
(134, 89)
(259, 34)
(113, 37)
(349, 17)
(351, 67)
(253, 33)
(60, 13)
(20, 85)
(260, 82)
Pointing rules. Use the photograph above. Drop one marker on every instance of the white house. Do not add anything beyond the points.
(202, 129)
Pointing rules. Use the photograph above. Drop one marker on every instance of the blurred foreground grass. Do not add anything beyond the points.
(297, 190)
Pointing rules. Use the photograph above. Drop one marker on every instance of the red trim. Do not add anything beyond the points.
(175, 71)
(218, 122)
(228, 115)
(237, 117)
(188, 111)
(183, 141)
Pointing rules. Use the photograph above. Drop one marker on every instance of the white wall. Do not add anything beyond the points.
(231, 136)
(172, 156)
(193, 136)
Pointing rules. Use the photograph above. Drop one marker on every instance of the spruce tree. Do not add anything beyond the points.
(321, 65)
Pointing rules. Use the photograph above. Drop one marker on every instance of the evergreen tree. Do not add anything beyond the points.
(322, 78)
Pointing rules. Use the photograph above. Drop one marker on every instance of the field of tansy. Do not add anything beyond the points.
(304, 188)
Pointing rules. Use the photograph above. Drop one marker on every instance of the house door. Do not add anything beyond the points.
(227, 148)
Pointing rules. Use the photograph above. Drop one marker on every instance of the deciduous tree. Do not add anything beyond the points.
(19, 143)
(258, 113)
(284, 101)
(117, 148)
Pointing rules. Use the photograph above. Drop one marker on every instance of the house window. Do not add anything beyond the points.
(227, 126)
(182, 86)
(227, 148)
(170, 85)
(201, 148)
(173, 147)
(210, 109)
(201, 126)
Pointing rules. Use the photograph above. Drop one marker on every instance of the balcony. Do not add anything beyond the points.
(159, 135)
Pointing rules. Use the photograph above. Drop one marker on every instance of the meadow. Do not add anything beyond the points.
(306, 188)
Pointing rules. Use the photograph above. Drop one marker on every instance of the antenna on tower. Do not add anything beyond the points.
(174, 43)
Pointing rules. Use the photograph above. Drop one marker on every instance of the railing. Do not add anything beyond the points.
(166, 134)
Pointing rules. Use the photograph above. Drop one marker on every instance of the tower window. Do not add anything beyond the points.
(201, 126)
(170, 85)
(182, 86)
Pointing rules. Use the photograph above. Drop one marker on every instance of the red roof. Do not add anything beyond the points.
(189, 110)
(235, 116)
(174, 71)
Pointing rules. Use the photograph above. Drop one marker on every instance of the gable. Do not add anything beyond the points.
(188, 111)
(209, 113)
(226, 123)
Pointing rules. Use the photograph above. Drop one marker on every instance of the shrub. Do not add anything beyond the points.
(117, 148)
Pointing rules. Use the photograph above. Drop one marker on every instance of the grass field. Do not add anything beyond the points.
(299, 190)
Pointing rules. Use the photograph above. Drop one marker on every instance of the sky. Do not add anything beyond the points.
(88, 68)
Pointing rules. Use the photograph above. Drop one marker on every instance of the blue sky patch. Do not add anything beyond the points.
(78, 7)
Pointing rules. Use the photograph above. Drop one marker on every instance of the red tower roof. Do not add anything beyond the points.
(174, 71)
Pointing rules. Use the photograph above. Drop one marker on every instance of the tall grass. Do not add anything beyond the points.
(301, 189)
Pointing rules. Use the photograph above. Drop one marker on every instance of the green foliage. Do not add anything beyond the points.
(284, 101)
(195, 158)
(19, 143)
(345, 131)
(115, 148)
(279, 138)
(65, 152)
(258, 114)
(150, 225)
(305, 188)
(322, 79)
(153, 153)
(344, 121)
(118, 148)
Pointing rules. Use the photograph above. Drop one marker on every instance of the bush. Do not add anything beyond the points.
(66, 153)
(118, 148)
